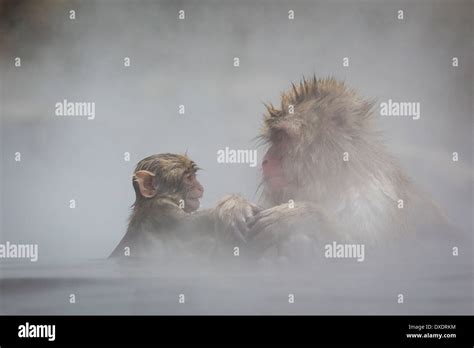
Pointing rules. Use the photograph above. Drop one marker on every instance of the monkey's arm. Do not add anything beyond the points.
(272, 226)
(228, 220)
(231, 216)
(200, 222)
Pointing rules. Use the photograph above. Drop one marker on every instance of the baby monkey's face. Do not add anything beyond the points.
(193, 192)
(168, 174)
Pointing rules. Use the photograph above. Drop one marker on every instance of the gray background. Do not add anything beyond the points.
(190, 62)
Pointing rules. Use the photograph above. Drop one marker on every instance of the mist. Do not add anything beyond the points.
(190, 62)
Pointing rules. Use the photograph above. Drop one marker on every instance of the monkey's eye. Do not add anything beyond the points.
(281, 141)
(279, 137)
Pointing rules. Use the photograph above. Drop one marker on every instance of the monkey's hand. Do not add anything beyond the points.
(232, 214)
(276, 225)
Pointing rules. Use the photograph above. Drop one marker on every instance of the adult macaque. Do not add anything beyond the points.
(164, 220)
(328, 177)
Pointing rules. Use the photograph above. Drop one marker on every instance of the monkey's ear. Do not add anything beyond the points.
(146, 183)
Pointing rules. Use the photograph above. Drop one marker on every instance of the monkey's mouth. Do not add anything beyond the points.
(192, 203)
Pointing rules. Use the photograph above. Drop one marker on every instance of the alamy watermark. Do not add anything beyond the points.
(19, 251)
(345, 251)
(79, 109)
(37, 331)
(407, 109)
(228, 155)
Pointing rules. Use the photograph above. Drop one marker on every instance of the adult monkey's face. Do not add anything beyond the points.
(318, 121)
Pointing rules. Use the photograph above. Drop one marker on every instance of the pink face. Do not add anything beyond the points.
(273, 173)
(194, 193)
